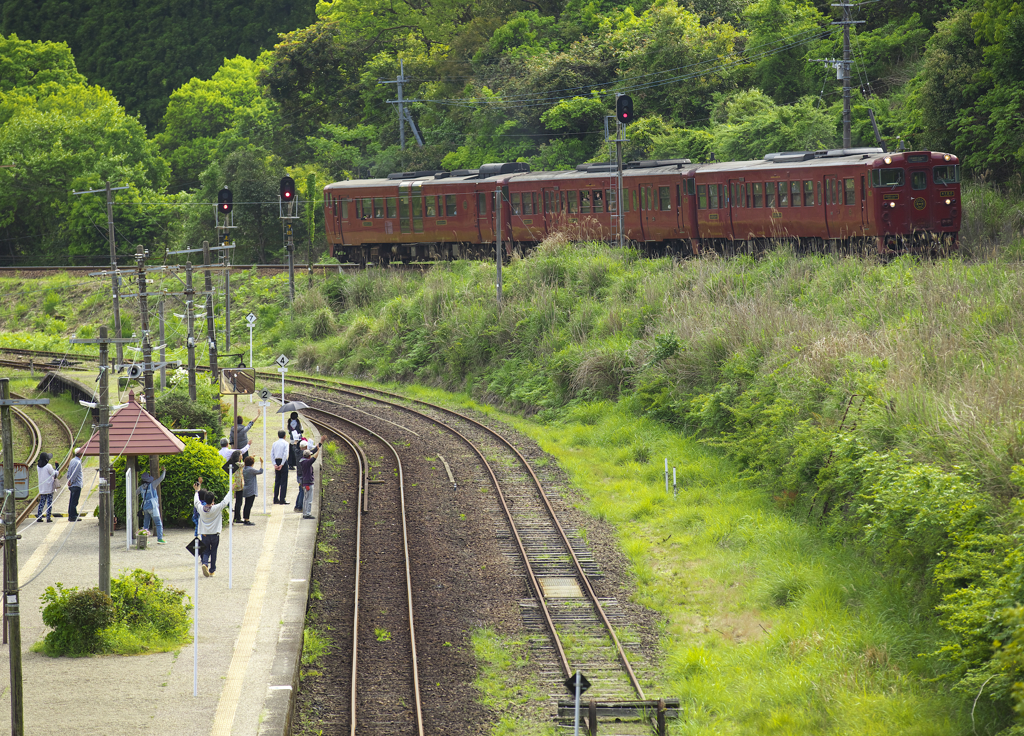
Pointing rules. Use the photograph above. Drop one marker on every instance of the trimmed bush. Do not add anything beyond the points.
(76, 617)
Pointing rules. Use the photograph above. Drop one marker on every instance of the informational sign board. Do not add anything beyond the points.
(264, 394)
(21, 479)
(237, 381)
(282, 360)
(250, 318)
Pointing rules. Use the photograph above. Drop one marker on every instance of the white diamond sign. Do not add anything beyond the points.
(282, 360)
(250, 318)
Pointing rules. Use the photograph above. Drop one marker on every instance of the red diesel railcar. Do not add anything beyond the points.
(847, 198)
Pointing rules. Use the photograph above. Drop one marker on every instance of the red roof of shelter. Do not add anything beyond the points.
(134, 431)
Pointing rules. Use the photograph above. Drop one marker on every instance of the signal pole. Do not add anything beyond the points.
(286, 212)
(190, 297)
(497, 236)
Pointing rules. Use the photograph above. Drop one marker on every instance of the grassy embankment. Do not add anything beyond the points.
(805, 597)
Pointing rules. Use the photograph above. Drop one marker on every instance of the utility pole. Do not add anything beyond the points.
(497, 236)
(403, 114)
(843, 68)
(147, 348)
(163, 346)
(211, 334)
(104, 428)
(115, 277)
(190, 297)
(106, 482)
(12, 607)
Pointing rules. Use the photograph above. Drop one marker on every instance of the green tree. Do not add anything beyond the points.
(753, 126)
(781, 32)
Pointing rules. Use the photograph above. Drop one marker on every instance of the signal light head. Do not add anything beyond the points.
(224, 200)
(287, 189)
(624, 109)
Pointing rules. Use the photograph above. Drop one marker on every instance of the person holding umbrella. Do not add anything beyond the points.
(294, 429)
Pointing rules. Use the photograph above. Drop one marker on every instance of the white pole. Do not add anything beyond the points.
(195, 625)
(576, 731)
(231, 521)
(128, 508)
(283, 426)
(264, 405)
(666, 475)
(250, 355)
(675, 488)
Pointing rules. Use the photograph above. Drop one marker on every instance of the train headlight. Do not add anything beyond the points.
(947, 157)
(892, 205)
(949, 201)
(887, 159)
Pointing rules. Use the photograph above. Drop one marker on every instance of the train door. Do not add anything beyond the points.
(919, 211)
(832, 211)
(485, 216)
(645, 195)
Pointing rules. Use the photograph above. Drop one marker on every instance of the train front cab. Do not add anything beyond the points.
(915, 204)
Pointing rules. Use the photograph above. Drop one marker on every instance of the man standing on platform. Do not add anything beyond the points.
(74, 484)
(279, 454)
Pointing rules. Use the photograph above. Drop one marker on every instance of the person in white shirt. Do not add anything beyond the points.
(210, 525)
(280, 452)
(47, 480)
(225, 451)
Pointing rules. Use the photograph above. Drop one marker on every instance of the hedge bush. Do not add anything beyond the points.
(140, 615)
(176, 492)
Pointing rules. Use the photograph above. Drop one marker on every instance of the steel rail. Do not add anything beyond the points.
(408, 571)
(71, 441)
(347, 388)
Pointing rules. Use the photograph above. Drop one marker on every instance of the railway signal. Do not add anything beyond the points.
(224, 203)
(287, 189)
(624, 109)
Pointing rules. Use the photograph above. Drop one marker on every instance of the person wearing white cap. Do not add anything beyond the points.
(74, 483)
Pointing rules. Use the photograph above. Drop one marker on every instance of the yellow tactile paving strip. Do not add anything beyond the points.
(232, 692)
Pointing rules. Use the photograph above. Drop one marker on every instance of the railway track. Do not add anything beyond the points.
(384, 694)
(557, 563)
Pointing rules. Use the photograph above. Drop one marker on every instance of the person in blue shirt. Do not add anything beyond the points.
(74, 484)
(148, 490)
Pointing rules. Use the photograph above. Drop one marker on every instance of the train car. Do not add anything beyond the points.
(844, 198)
(840, 199)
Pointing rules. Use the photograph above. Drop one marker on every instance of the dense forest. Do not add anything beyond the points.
(176, 100)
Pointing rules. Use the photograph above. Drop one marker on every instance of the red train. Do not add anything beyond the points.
(845, 199)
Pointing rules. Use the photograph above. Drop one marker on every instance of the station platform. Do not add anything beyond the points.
(250, 618)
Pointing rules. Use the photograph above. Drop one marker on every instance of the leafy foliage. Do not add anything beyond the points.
(139, 615)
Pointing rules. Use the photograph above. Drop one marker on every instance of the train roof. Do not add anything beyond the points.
(520, 173)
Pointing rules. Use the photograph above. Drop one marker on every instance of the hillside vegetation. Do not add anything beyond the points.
(873, 410)
(223, 104)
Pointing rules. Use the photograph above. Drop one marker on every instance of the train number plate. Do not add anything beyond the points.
(440, 222)
(713, 217)
(527, 222)
(890, 197)
(947, 193)
(776, 214)
(367, 223)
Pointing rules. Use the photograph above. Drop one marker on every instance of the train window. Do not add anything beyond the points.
(794, 193)
(633, 197)
(517, 206)
(403, 213)
(574, 202)
(712, 196)
(417, 207)
(850, 191)
(888, 177)
(862, 193)
(769, 194)
(547, 202)
(378, 207)
(918, 179)
(450, 206)
(702, 196)
(344, 209)
(528, 207)
(392, 205)
(689, 186)
(612, 196)
(584, 201)
(819, 192)
(759, 194)
(598, 200)
(562, 205)
(783, 194)
(946, 174)
(828, 192)
(808, 193)
(664, 202)
(367, 208)
(481, 203)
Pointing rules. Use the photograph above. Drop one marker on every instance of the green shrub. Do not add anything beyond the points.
(140, 615)
(76, 617)
(176, 492)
